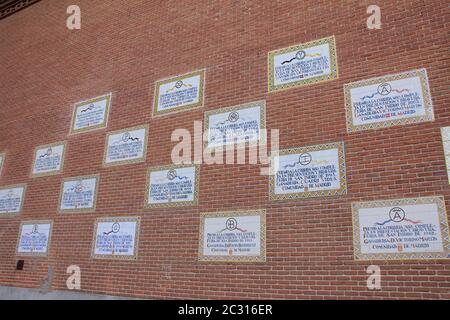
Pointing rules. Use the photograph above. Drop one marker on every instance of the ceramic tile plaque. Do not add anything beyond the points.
(312, 171)
(170, 186)
(387, 101)
(116, 238)
(235, 125)
(303, 64)
(34, 238)
(48, 159)
(126, 146)
(446, 142)
(400, 229)
(233, 236)
(11, 200)
(2, 160)
(79, 194)
(91, 114)
(180, 93)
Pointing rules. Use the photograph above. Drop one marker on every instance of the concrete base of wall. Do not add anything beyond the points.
(12, 293)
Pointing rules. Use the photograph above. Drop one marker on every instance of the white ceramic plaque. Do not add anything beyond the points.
(236, 125)
(48, 159)
(312, 171)
(233, 236)
(116, 238)
(180, 93)
(11, 200)
(446, 142)
(34, 238)
(391, 100)
(91, 114)
(79, 194)
(401, 229)
(126, 146)
(172, 186)
(303, 64)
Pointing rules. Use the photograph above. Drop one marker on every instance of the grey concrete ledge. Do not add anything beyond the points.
(14, 293)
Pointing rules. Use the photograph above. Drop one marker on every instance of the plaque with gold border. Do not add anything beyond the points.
(8, 214)
(124, 132)
(339, 146)
(170, 168)
(34, 254)
(399, 206)
(87, 105)
(49, 146)
(79, 210)
(300, 52)
(385, 86)
(232, 215)
(179, 82)
(114, 220)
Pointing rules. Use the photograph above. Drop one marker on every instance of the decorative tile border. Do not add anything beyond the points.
(312, 194)
(172, 204)
(440, 203)
(34, 254)
(129, 161)
(334, 74)
(260, 258)
(179, 79)
(81, 104)
(445, 133)
(117, 257)
(14, 214)
(82, 210)
(383, 81)
(262, 119)
(49, 173)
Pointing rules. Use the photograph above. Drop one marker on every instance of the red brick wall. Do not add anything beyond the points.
(124, 48)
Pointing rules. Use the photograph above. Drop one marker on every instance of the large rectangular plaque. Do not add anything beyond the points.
(169, 186)
(126, 146)
(2, 160)
(303, 64)
(48, 159)
(236, 125)
(34, 238)
(180, 93)
(312, 171)
(116, 238)
(445, 132)
(233, 236)
(387, 101)
(91, 114)
(11, 200)
(79, 194)
(401, 229)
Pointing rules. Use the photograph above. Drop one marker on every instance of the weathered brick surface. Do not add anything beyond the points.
(124, 48)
